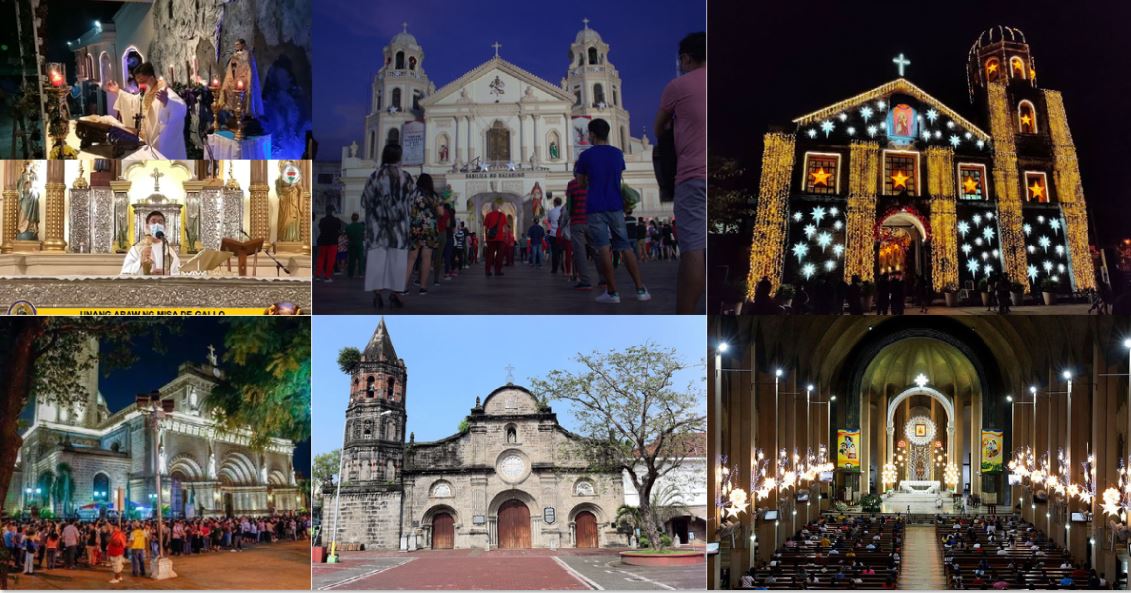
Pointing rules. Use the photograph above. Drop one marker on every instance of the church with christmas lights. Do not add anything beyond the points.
(892, 180)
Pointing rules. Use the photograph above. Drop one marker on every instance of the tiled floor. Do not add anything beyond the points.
(922, 563)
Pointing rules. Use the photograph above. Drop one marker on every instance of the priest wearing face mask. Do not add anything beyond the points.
(152, 256)
(162, 112)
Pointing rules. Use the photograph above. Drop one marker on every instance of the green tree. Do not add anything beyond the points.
(41, 356)
(266, 381)
(348, 359)
(325, 466)
(732, 197)
(631, 417)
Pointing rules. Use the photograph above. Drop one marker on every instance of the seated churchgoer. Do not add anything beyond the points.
(152, 256)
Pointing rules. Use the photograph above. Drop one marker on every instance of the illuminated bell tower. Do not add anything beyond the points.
(1036, 177)
(595, 85)
(398, 88)
(375, 419)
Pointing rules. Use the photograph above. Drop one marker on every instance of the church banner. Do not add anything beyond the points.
(848, 449)
(412, 143)
(580, 125)
(992, 445)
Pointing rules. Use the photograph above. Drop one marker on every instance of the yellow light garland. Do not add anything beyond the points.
(944, 219)
(863, 175)
(1070, 191)
(773, 204)
(1006, 183)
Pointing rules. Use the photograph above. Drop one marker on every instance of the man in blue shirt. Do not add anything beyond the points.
(599, 170)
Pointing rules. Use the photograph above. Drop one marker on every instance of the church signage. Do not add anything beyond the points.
(498, 175)
(412, 143)
(549, 515)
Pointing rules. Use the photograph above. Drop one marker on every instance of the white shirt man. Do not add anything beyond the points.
(162, 112)
(152, 256)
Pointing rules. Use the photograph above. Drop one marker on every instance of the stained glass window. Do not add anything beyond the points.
(901, 172)
(972, 182)
(821, 173)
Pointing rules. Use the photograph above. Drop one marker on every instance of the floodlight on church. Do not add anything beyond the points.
(1067, 375)
(723, 346)
(1127, 343)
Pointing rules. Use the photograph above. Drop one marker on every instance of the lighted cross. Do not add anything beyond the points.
(496, 45)
(921, 380)
(586, 21)
(510, 373)
(212, 354)
(404, 26)
(157, 175)
(901, 62)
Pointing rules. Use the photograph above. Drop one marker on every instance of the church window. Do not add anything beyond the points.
(598, 95)
(391, 431)
(498, 142)
(389, 389)
(593, 55)
(379, 97)
(577, 96)
(972, 181)
(1016, 67)
(416, 97)
(901, 173)
(1026, 118)
(442, 490)
(394, 136)
(372, 144)
(412, 62)
(390, 471)
(369, 386)
(615, 101)
(367, 430)
(101, 487)
(400, 60)
(397, 98)
(822, 173)
(584, 488)
(1037, 187)
(993, 69)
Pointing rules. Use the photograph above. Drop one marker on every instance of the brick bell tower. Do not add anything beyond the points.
(376, 418)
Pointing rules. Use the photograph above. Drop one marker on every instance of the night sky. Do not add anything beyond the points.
(774, 61)
(643, 38)
(67, 21)
(155, 367)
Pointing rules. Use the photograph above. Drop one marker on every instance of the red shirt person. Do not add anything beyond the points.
(494, 228)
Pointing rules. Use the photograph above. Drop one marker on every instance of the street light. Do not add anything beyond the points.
(157, 409)
(723, 347)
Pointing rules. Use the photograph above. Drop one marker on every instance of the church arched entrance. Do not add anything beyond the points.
(514, 525)
(586, 523)
(901, 246)
(509, 204)
(443, 531)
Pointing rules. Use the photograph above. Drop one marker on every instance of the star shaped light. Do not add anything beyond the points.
(800, 250)
(988, 269)
(1032, 271)
(818, 213)
(830, 265)
(871, 130)
(838, 250)
(881, 104)
(851, 130)
(988, 233)
(970, 185)
(899, 180)
(1040, 219)
(972, 266)
(963, 228)
(1059, 249)
(797, 216)
(926, 135)
(866, 112)
(932, 115)
(1027, 228)
(810, 230)
(1031, 249)
(966, 248)
(827, 127)
(820, 177)
(1047, 265)
(989, 216)
(812, 132)
(842, 116)
(981, 143)
(1044, 242)
(807, 270)
(824, 240)
(1060, 268)
(921, 380)
(1026, 120)
(954, 140)
(834, 211)
(977, 218)
(837, 225)
(1054, 224)
(1036, 190)
(978, 241)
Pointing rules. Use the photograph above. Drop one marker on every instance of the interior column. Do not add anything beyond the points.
(258, 190)
(10, 200)
(56, 206)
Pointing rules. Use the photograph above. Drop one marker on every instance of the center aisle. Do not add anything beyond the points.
(921, 565)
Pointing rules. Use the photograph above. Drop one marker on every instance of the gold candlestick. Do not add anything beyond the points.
(215, 88)
(239, 114)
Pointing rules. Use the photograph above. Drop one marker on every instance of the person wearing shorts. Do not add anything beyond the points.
(599, 170)
(683, 106)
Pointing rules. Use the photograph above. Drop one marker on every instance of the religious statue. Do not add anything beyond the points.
(555, 153)
(289, 191)
(242, 76)
(353, 150)
(211, 464)
(28, 222)
(443, 153)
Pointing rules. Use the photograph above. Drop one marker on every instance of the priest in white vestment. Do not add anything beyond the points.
(162, 111)
(152, 256)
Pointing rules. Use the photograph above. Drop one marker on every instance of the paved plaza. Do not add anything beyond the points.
(282, 565)
(523, 289)
(535, 569)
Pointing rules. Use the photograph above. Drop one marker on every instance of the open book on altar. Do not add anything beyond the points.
(205, 261)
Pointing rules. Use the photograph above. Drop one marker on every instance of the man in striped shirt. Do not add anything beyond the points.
(575, 194)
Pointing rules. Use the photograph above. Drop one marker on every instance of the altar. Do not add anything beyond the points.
(926, 487)
(223, 146)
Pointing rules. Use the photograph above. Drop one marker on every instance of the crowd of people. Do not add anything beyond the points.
(407, 235)
(48, 544)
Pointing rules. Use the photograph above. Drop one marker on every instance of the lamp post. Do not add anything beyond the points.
(156, 410)
(776, 457)
(332, 558)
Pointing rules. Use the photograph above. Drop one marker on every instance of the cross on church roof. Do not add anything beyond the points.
(496, 45)
(586, 22)
(510, 373)
(404, 27)
(157, 175)
(901, 62)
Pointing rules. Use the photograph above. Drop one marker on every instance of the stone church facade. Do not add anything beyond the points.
(513, 478)
(204, 471)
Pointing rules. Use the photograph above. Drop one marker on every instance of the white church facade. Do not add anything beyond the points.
(499, 133)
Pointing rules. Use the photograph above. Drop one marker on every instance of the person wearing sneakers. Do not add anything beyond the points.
(578, 230)
(116, 551)
(598, 170)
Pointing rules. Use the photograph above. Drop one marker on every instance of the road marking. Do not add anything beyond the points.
(577, 575)
(647, 580)
(364, 575)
